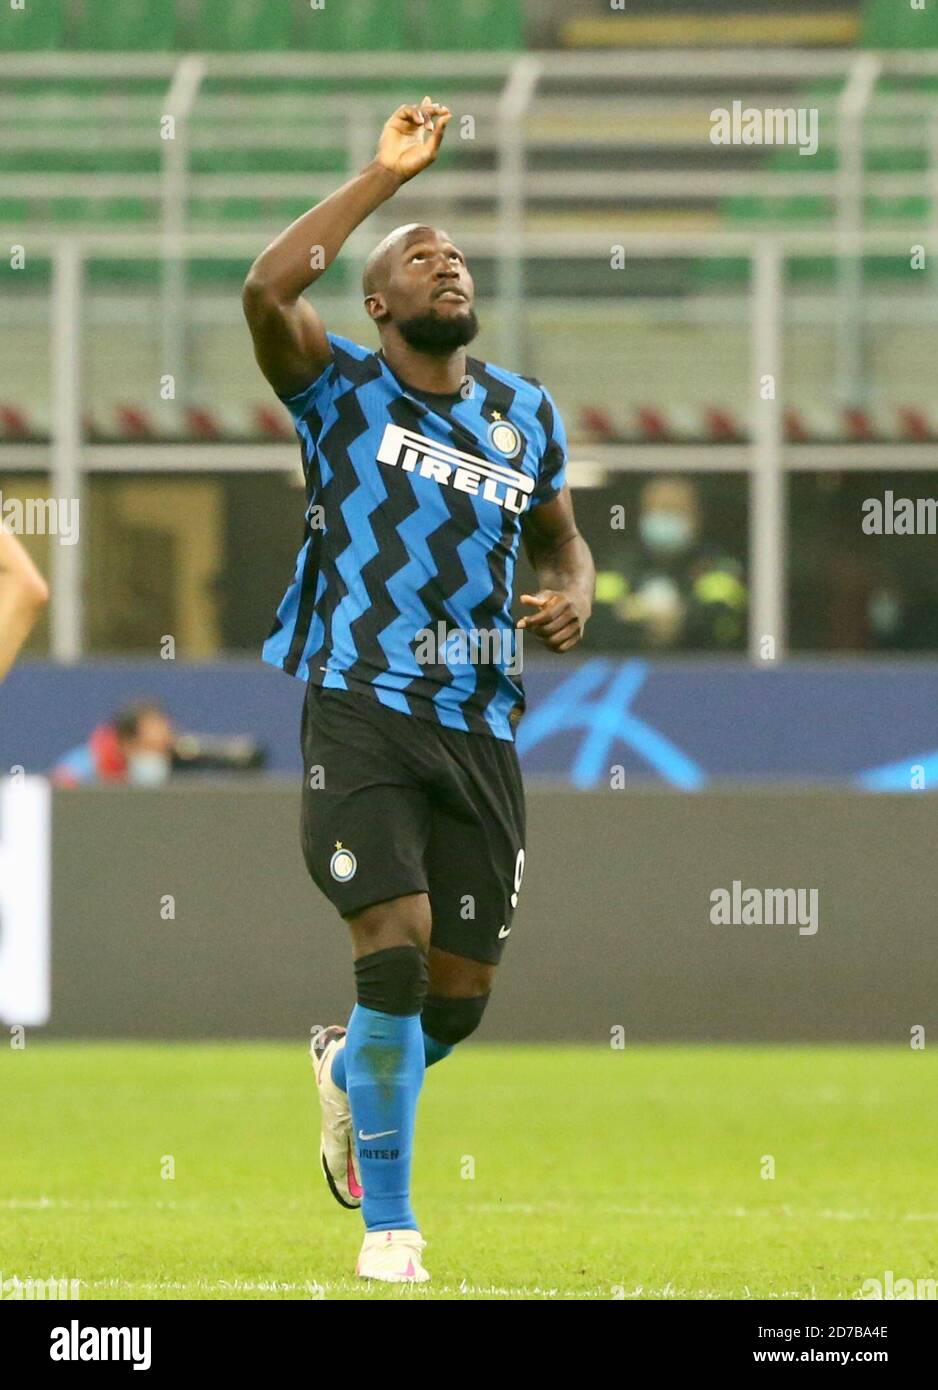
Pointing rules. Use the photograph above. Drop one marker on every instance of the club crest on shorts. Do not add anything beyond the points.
(505, 438)
(343, 864)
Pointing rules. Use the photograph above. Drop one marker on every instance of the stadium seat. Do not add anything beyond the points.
(69, 209)
(891, 210)
(35, 27)
(467, 24)
(125, 25)
(340, 27)
(269, 159)
(888, 25)
(704, 24)
(235, 25)
(226, 209)
(14, 211)
(885, 156)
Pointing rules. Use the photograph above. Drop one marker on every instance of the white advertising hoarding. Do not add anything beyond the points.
(25, 874)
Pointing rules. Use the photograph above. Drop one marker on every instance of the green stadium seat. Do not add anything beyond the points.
(228, 209)
(347, 25)
(69, 209)
(468, 25)
(122, 210)
(715, 273)
(897, 159)
(17, 161)
(283, 211)
(35, 27)
(240, 25)
(125, 25)
(14, 212)
(888, 24)
(217, 274)
(809, 209)
(269, 160)
(131, 273)
(804, 207)
(909, 209)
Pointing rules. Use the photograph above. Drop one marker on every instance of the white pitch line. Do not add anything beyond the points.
(489, 1208)
(339, 1288)
(326, 1287)
(84, 1204)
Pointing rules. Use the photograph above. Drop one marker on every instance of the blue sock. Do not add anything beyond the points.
(433, 1051)
(384, 1065)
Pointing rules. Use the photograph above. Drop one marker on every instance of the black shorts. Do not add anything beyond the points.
(395, 804)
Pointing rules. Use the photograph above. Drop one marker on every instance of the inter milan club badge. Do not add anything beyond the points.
(505, 438)
(343, 863)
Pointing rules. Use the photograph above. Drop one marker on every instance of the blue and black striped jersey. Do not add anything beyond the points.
(413, 518)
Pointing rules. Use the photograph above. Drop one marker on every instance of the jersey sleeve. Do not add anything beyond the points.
(331, 382)
(552, 470)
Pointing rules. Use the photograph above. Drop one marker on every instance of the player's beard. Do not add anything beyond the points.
(431, 332)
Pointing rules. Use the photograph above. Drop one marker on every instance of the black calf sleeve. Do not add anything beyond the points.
(448, 1021)
(393, 981)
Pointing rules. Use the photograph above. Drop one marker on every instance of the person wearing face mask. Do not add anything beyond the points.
(670, 590)
(135, 748)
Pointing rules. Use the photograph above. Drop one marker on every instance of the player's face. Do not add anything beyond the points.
(429, 276)
(154, 734)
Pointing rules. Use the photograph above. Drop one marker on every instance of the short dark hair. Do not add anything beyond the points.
(127, 720)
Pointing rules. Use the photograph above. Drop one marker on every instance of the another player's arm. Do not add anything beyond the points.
(565, 573)
(23, 595)
(290, 340)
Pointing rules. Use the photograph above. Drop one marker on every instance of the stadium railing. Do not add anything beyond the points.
(766, 458)
(558, 95)
(219, 141)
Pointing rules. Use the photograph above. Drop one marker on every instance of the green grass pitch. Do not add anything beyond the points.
(564, 1172)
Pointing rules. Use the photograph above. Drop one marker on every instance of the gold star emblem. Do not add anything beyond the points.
(496, 415)
(338, 844)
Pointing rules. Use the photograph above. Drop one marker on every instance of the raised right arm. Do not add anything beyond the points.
(290, 340)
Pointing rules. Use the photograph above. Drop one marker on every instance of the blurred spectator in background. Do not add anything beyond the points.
(852, 591)
(668, 590)
(23, 595)
(140, 747)
(134, 748)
